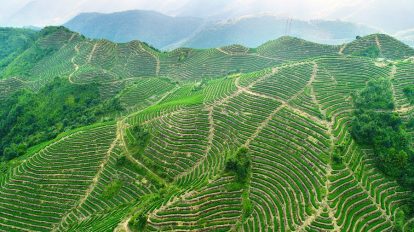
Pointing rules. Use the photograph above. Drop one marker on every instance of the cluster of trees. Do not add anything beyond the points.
(239, 164)
(139, 140)
(139, 222)
(23, 65)
(409, 93)
(28, 51)
(183, 55)
(112, 189)
(28, 118)
(372, 52)
(376, 125)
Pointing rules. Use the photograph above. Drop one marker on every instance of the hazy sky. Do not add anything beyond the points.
(391, 15)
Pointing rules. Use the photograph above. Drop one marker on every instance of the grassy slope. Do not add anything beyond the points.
(197, 123)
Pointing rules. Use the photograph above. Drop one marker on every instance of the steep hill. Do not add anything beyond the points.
(165, 32)
(292, 48)
(224, 139)
(379, 45)
(60, 52)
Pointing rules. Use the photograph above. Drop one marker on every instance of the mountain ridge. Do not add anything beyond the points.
(267, 51)
(150, 26)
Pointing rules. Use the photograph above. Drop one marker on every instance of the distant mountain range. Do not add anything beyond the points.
(389, 16)
(166, 32)
(154, 28)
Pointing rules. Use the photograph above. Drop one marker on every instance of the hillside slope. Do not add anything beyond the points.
(61, 53)
(231, 138)
(379, 45)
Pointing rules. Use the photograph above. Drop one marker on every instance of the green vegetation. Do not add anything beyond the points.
(377, 95)
(139, 222)
(112, 189)
(379, 45)
(12, 43)
(336, 158)
(28, 118)
(247, 205)
(239, 164)
(371, 52)
(124, 162)
(409, 93)
(138, 140)
(33, 52)
(23, 64)
(376, 125)
(264, 150)
(139, 219)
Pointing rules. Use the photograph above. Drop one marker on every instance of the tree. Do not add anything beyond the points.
(28, 118)
(239, 164)
(409, 93)
(376, 125)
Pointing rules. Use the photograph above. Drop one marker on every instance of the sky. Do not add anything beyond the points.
(389, 15)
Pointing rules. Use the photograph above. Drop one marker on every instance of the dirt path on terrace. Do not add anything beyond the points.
(378, 43)
(76, 66)
(341, 49)
(156, 58)
(92, 52)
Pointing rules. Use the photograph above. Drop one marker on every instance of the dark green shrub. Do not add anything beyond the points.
(409, 93)
(239, 164)
(112, 189)
(376, 125)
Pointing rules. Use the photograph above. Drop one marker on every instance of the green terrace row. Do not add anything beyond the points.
(289, 48)
(144, 92)
(322, 223)
(131, 186)
(177, 141)
(294, 185)
(215, 207)
(403, 77)
(50, 182)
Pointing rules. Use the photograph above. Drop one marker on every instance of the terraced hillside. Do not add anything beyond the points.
(166, 161)
(386, 46)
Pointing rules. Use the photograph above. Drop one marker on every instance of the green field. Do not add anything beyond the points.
(154, 154)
